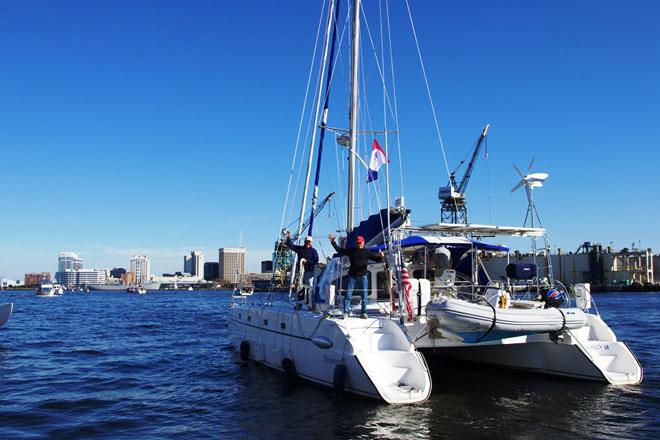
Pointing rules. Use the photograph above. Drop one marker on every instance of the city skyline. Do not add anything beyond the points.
(157, 121)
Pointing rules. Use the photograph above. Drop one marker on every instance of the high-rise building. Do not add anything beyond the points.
(231, 263)
(210, 271)
(69, 261)
(34, 279)
(140, 267)
(194, 265)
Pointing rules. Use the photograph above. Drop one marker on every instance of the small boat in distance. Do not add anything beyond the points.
(46, 288)
(5, 312)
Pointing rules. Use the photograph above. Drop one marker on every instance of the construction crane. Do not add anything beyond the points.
(452, 196)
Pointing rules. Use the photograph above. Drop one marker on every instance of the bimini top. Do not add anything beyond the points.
(450, 242)
(482, 230)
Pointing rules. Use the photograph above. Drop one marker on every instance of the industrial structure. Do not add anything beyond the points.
(605, 269)
(452, 196)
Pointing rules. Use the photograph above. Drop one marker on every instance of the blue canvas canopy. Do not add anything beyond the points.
(460, 244)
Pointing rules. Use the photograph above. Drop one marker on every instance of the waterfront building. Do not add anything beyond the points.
(231, 261)
(211, 271)
(267, 266)
(117, 272)
(69, 261)
(141, 268)
(35, 278)
(82, 277)
(6, 283)
(128, 278)
(194, 265)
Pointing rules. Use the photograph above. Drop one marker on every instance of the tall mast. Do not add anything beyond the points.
(324, 115)
(353, 114)
(310, 160)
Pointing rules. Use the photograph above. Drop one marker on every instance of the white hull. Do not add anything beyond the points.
(379, 361)
(46, 290)
(5, 312)
(591, 352)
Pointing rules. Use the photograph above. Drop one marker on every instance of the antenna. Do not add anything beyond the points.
(240, 238)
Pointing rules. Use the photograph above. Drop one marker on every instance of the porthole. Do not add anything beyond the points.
(265, 322)
(282, 325)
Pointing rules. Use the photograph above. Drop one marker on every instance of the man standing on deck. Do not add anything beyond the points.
(307, 256)
(359, 258)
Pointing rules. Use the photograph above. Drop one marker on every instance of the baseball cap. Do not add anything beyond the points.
(360, 239)
(308, 238)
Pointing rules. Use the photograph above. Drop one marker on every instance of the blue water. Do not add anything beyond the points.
(116, 365)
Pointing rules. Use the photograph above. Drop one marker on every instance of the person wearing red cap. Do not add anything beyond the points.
(357, 273)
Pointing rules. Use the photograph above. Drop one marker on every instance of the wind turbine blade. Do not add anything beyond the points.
(518, 171)
(521, 183)
(530, 165)
(538, 176)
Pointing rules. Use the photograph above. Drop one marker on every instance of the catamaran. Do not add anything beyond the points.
(370, 357)
(430, 298)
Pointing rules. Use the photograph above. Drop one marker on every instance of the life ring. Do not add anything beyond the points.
(244, 351)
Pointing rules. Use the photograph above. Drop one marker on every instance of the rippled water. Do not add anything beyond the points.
(116, 365)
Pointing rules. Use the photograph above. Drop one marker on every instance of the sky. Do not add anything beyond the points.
(161, 127)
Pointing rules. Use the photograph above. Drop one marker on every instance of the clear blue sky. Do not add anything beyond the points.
(160, 127)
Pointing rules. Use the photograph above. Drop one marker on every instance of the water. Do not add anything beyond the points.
(115, 365)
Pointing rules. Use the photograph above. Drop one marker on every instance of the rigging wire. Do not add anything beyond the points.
(300, 124)
(428, 89)
(394, 95)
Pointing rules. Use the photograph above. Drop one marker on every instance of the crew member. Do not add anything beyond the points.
(357, 273)
(308, 257)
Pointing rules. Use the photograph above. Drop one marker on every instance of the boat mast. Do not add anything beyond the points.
(353, 114)
(310, 160)
(324, 115)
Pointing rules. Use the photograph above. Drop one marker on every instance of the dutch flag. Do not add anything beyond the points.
(378, 159)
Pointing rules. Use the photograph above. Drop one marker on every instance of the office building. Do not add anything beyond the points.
(82, 277)
(210, 271)
(194, 265)
(140, 267)
(231, 263)
(35, 278)
(69, 261)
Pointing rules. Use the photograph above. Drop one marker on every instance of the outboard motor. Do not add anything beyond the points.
(552, 297)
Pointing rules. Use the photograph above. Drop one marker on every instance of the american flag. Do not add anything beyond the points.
(407, 287)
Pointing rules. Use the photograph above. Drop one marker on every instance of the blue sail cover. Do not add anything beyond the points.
(374, 228)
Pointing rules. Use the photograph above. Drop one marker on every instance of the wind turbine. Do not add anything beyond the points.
(530, 181)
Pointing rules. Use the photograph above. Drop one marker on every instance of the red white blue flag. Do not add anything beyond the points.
(407, 287)
(378, 159)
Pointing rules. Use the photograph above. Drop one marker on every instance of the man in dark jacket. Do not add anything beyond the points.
(307, 256)
(357, 273)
